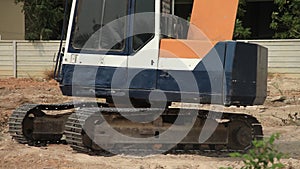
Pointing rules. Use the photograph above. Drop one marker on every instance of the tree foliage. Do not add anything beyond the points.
(240, 31)
(286, 19)
(42, 18)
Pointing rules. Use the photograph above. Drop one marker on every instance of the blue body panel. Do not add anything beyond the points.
(232, 73)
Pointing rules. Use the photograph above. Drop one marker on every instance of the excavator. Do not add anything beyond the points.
(142, 63)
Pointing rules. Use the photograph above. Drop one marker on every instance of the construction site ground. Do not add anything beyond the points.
(279, 114)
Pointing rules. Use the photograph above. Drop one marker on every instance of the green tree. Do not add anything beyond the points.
(42, 18)
(240, 31)
(286, 19)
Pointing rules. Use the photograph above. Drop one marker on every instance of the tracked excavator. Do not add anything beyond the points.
(144, 58)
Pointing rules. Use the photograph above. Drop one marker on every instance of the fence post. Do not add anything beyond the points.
(15, 59)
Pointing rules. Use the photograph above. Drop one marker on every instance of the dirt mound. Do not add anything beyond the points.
(15, 92)
(283, 100)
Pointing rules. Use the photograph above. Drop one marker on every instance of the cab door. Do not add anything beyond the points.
(143, 60)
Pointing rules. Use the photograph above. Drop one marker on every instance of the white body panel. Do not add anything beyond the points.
(147, 57)
(70, 25)
(96, 60)
(177, 63)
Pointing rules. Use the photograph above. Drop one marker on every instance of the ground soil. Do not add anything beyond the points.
(279, 114)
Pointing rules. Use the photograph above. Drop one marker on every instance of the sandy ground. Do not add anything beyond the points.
(279, 114)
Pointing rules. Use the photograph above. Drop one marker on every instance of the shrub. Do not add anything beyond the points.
(263, 155)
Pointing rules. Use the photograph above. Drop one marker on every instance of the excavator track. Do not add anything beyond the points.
(22, 123)
(16, 120)
(78, 139)
(74, 132)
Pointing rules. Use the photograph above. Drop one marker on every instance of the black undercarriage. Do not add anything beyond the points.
(82, 125)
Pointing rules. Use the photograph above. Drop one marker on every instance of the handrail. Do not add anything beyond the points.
(60, 53)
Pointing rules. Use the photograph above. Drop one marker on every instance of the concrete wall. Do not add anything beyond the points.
(27, 59)
(284, 55)
(12, 21)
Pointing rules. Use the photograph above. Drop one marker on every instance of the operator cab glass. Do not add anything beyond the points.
(144, 21)
(109, 26)
(100, 25)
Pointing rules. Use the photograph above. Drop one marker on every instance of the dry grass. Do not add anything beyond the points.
(48, 74)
